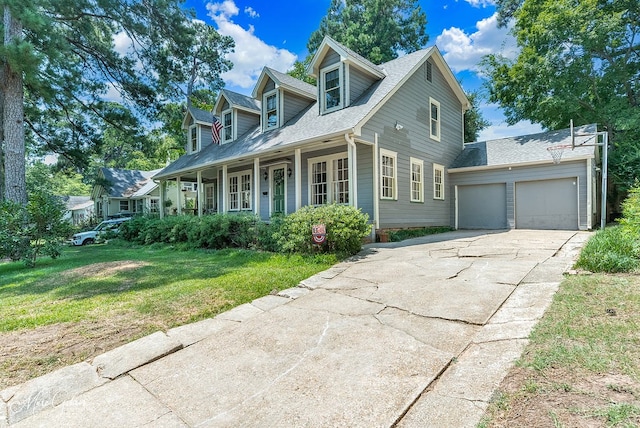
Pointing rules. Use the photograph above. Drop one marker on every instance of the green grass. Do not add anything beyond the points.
(590, 330)
(610, 250)
(174, 287)
(591, 325)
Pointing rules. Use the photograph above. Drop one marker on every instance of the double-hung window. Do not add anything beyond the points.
(438, 181)
(331, 83)
(388, 174)
(329, 180)
(240, 191)
(417, 180)
(434, 119)
(193, 138)
(227, 126)
(270, 101)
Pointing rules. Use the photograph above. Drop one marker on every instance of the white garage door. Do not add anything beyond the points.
(482, 206)
(547, 204)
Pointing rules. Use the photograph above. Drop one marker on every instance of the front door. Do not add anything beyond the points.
(277, 191)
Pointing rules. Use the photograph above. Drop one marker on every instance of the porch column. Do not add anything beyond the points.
(298, 178)
(178, 187)
(352, 153)
(199, 197)
(162, 198)
(256, 186)
(223, 189)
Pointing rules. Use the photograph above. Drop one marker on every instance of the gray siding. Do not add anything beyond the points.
(330, 58)
(268, 86)
(205, 136)
(293, 104)
(409, 106)
(516, 174)
(359, 82)
(245, 122)
(365, 179)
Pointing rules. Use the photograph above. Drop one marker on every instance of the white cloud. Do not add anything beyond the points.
(481, 3)
(251, 12)
(464, 51)
(123, 43)
(251, 53)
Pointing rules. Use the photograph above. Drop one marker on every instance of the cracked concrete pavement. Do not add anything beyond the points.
(411, 334)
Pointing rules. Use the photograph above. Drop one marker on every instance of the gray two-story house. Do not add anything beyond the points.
(378, 137)
(387, 139)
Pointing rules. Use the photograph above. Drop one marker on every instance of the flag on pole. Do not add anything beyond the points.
(216, 127)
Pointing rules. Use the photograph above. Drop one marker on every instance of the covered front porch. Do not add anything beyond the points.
(277, 182)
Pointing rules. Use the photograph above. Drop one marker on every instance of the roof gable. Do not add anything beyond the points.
(284, 81)
(346, 55)
(201, 117)
(126, 183)
(238, 101)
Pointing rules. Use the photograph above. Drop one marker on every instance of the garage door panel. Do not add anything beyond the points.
(547, 204)
(482, 206)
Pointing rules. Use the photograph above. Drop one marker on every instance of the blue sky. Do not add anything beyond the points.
(276, 33)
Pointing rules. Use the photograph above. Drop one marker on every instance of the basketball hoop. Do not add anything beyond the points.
(556, 152)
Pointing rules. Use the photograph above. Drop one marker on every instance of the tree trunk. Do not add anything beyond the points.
(13, 120)
(1, 132)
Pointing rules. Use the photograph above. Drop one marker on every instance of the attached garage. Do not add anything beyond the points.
(482, 206)
(513, 182)
(547, 204)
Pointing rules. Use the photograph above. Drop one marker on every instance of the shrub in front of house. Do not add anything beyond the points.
(27, 232)
(630, 220)
(609, 250)
(346, 227)
(208, 232)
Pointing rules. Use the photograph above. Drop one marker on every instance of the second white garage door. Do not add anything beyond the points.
(547, 204)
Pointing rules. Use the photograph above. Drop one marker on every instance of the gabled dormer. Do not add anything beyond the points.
(342, 75)
(282, 97)
(197, 124)
(238, 114)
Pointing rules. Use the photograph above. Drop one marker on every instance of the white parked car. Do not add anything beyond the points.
(89, 237)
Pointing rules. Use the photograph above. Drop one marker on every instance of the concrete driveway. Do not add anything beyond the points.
(417, 334)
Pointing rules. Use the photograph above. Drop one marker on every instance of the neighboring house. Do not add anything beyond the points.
(387, 139)
(124, 191)
(80, 209)
(513, 183)
(378, 137)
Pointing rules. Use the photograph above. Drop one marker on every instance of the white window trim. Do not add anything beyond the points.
(239, 175)
(437, 167)
(420, 162)
(439, 120)
(265, 122)
(189, 139)
(330, 179)
(323, 98)
(223, 136)
(394, 156)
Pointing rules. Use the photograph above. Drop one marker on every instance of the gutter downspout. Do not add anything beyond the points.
(353, 170)
(376, 183)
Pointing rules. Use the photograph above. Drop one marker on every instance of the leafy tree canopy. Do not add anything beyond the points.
(577, 60)
(74, 55)
(473, 120)
(379, 30)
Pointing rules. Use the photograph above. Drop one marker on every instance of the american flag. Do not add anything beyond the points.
(216, 127)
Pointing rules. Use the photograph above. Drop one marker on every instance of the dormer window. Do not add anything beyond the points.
(331, 87)
(193, 138)
(227, 126)
(270, 101)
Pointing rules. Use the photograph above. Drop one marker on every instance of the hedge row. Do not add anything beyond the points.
(346, 228)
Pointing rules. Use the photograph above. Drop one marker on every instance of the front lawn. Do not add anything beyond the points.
(95, 298)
